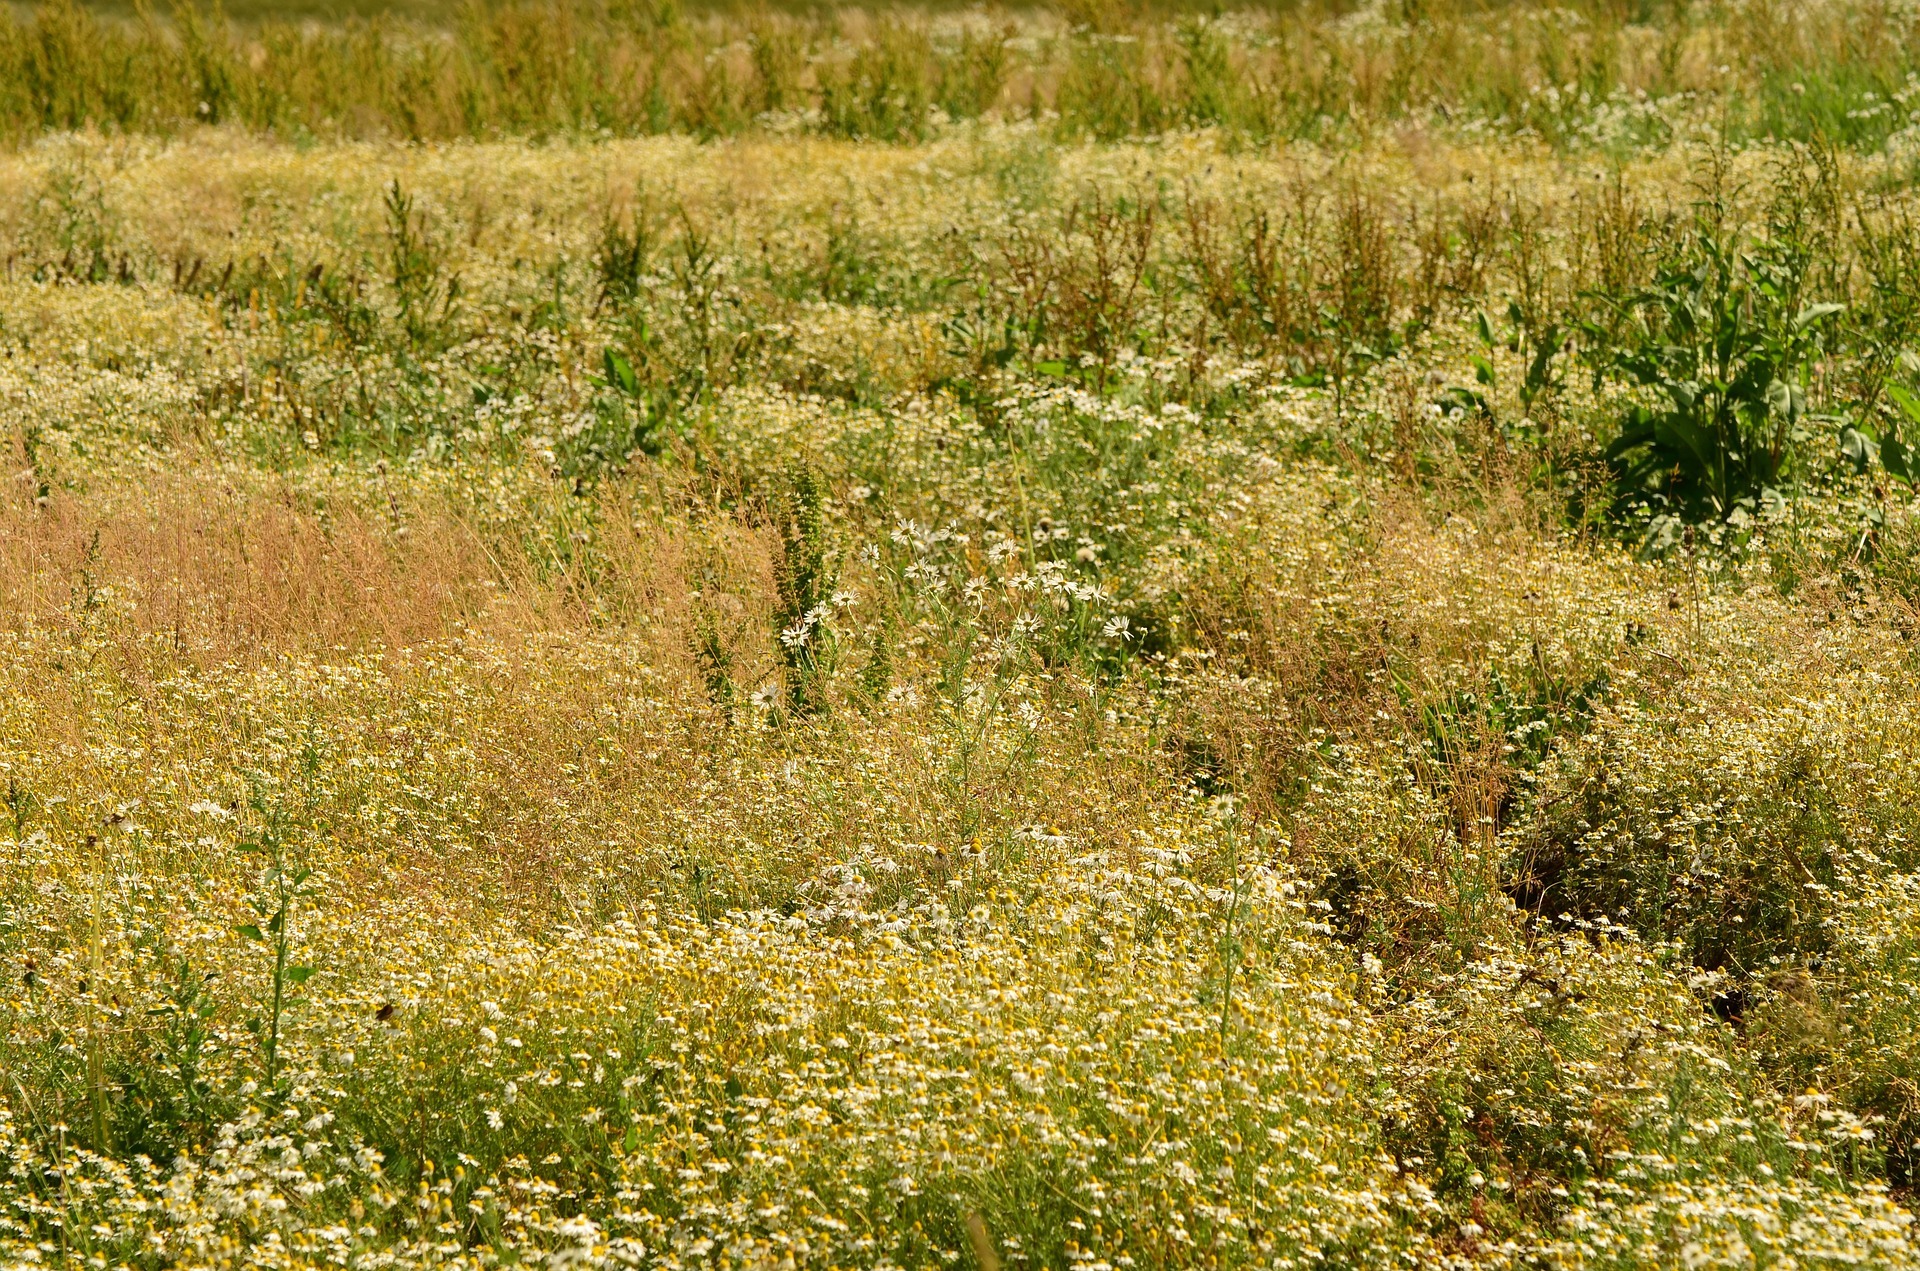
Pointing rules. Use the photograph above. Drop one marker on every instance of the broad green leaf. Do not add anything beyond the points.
(1908, 404)
(620, 372)
(1897, 457)
(1678, 430)
(1537, 373)
(1858, 448)
(1813, 313)
(1780, 399)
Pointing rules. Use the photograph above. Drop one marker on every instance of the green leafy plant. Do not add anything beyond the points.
(20, 803)
(165, 1095)
(1230, 950)
(1537, 349)
(805, 580)
(877, 674)
(189, 1010)
(624, 254)
(1723, 340)
(1896, 453)
(716, 664)
(281, 884)
(1864, 445)
(424, 290)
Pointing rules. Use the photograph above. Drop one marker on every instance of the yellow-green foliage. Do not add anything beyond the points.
(996, 701)
(1584, 76)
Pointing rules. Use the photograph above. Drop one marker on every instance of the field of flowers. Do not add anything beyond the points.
(1028, 693)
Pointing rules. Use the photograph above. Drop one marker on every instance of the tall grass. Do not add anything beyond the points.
(1587, 75)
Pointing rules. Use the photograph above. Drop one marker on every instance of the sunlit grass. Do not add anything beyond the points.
(1002, 699)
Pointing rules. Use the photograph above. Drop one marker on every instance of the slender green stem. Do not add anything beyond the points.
(1229, 951)
(279, 989)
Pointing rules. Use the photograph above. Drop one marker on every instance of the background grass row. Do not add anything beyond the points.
(1594, 74)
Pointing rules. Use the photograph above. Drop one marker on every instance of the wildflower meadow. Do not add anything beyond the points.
(1105, 637)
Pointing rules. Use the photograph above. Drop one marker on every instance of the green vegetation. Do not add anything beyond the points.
(1595, 76)
(921, 639)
